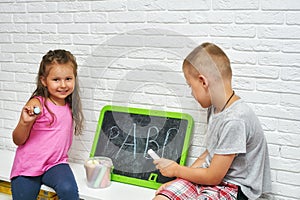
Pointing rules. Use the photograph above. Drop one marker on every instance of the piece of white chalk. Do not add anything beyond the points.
(153, 154)
(36, 110)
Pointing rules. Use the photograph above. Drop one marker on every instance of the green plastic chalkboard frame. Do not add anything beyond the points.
(132, 180)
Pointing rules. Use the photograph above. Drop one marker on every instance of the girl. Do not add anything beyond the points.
(235, 164)
(44, 138)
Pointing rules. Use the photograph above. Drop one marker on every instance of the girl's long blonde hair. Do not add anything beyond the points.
(73, 100)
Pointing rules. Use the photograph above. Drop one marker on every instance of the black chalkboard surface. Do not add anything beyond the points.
(125, 134)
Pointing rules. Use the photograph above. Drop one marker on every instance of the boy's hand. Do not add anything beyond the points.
(166, 167)
(163, 186)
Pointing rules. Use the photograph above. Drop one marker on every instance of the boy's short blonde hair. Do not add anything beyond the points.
(209, 60)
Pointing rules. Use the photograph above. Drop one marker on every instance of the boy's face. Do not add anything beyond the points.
(199, 87)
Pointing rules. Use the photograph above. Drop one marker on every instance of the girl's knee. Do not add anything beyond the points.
(67, 191)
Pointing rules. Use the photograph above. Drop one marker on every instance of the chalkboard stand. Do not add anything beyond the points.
(124, 134)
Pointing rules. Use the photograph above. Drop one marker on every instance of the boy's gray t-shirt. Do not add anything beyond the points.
(237, 130)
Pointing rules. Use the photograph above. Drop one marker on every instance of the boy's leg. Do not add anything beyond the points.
(62, 180)
(224, 191)
(179, 189)
(25, 187)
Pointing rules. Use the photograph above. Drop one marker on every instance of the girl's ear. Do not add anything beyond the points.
(203, 80)
(43, 81)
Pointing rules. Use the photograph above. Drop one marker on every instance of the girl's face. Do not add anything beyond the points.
(60, 82)
(199, 87)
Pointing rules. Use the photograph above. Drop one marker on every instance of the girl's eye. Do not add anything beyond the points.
(68, 79)
(55, 79)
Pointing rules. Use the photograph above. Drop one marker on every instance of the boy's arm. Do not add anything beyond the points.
(27, 118)
(200, 160)
(205, 176)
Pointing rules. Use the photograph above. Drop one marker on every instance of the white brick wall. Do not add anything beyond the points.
(130, 53)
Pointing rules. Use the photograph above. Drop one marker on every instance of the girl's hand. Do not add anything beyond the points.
(27, 114)
(166, 167)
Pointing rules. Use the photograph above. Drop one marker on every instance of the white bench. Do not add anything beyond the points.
(115, 191)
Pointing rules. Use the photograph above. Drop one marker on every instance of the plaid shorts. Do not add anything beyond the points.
(181, 189)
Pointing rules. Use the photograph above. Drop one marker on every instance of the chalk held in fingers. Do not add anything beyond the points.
(153, 154)
(36, 110)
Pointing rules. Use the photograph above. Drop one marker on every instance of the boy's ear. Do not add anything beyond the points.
(203, 80)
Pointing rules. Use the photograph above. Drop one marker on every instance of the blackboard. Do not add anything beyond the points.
(125, 134)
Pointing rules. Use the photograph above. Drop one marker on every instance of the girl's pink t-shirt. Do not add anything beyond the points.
(48, 143)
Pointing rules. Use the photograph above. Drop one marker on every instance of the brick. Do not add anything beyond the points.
(14, 48)
(145, 5)
(6, 76)
(233, 31)
(289, 126)
(278, 59)
(73, 6)
(282, 138)
(291, 46)
(191, 5)
(42, 28)
(259, 97)
(26, 38)
(293, 18)
(290, 152)
(56, 39)
(27, 58)
(5, 38)
(111, 5)
(211, 17)
(73, 28)
(290, 100)
(288, 177)
(167, 17)
(19, 67)
(285, 164)
(235, 5)
(90, 17)
(27, 18)
(7, 96)
(44, 7)
(280, 5)
(278, 111)
(128, 17)
(276, 86)
(107, 28)
(286, 190)
(56, 18)
(12, 28)
(12, 8)
(275, 32)
(256, 71)
(268, 124)
(259, 18)
(244, 84)
(242, 58)
(290, 74)
(88, 39)
(274, 150)
(6, 18)
(6, 57)
(257, 45)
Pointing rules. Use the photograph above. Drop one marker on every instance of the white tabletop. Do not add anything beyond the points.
(115, 191)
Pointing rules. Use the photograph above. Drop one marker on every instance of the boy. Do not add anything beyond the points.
(235, 164)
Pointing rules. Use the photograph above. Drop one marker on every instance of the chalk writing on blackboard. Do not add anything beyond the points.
(125, 137)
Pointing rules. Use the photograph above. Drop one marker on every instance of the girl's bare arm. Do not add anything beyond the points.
(27, 118)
